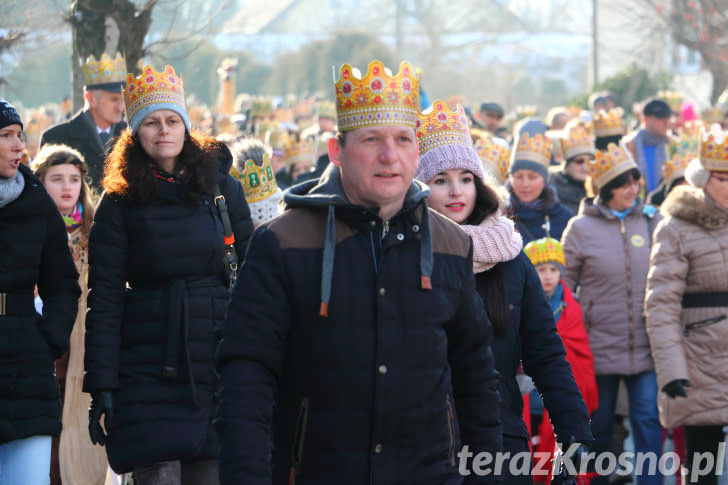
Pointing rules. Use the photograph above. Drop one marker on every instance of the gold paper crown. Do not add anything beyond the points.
(301, 151)
(608, 123)
(106, 71)
(279, 139)
(379, 98)
(714, 149)
(261, 107)
(680, 153)
(576, 139)
(494, 155)
(545, 250)
(439, 125)
(152, 87)
(534, 149)
(672, 98)
(327, 109)
(713, 115)
(609, 164)
(258, 181)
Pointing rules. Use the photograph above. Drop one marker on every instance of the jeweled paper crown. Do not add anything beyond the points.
(152, 91)
(258, 181)
(106, 73)
(714, 149)
(713, 115)
(545, 250)
(378, 98)
(673, 98)
(494, 153)
(299, 151)
(261, 107)
(680, 152)
(326, 109)
(608, 123)
(278, 140)
(576, 139)
(535, 148)
(609, 164)
(439, 125)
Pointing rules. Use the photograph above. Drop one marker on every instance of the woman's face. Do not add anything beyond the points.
(11, 150)
(717, 188)
(576, 168)
(63, 184)
(162, 135)
(453, 194)
(527, 184)
(623, 197)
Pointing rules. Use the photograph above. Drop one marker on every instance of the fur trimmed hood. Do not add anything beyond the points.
(694, 205)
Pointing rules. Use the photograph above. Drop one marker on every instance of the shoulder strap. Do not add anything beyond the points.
(231, 255)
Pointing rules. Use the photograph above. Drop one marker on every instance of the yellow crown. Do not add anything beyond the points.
(107, 71)
(327, 109)
(609, 164)
(577, 139)
(261, 107)
(494, 155)
(152, 87)
(609, 123)
(713, 115)
(680, 153)
(299, 151)
(714, 149)
(278, 140)
(692, 129)
(534, 149)
(672, 98)
(379, 98)
(439, 125)
(545, 250)
(258, 181)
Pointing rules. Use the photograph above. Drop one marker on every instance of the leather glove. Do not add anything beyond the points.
(102, 403)
(676, 388)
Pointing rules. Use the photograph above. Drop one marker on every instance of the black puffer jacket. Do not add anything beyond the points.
(33, 250)
(385, 388)
(157, 302)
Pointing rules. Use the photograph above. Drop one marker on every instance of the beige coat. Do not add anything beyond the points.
(690, 255)
(607, 260)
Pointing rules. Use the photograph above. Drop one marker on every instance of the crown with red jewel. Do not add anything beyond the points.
(609, 123)
(439, 125)
(576, 139)
(300, 152)
(494, 153)
(378, 98)
(714, 149)
(609, 164)
(107, 73)
(152, 91)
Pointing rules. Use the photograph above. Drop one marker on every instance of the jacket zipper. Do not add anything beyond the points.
(702, 323)
(385, 229)
(451, 432)
(630, 309)
(298, 438)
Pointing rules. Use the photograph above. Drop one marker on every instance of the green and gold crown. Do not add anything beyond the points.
(107, 73)
(258, 181)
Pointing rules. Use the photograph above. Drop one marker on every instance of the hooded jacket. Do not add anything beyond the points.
(547, 221)
(690, 256)
(608, 260)
(338, 364)
(33, 250)
(157, 301)
(569, 190)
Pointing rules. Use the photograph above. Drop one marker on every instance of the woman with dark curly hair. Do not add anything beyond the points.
(158, 288)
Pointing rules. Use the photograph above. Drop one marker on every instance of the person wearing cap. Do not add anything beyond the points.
(161, 263)
(687, 300)
(607, 251)
(523, 323)
(648, 145)
(92, 130)
(33, 252)
(356, 347)
(491, 114)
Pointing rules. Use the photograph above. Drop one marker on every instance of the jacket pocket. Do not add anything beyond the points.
(451, 432)
(702, 323)
(298, 439)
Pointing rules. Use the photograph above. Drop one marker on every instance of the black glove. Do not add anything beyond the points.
(573, 455)
(102, 403)
(676, 388)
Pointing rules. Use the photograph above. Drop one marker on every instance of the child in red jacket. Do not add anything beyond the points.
(547, 256)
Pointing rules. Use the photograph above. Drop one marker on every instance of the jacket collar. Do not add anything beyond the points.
(696, 206)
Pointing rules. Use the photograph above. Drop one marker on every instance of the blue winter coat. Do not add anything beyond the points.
(549, 221)
(385, 388)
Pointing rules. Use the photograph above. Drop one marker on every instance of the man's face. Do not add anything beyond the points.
(107, 107)
(377, 165)
(656, 126)
(491, 120)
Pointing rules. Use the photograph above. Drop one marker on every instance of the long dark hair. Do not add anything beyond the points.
(493, 281)
(127, 171)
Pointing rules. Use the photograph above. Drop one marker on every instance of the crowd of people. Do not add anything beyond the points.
(365, 290)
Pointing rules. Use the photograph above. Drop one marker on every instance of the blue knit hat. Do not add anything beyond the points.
(9, 115)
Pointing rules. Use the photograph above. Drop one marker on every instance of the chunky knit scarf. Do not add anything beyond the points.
(11, 188)
(495, 240)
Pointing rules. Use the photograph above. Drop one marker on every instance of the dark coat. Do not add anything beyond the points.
(532, 223)
(33, 250)
(531, 338)
(157, 302)
(386, 387)
(570, 191)
(80, 133)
